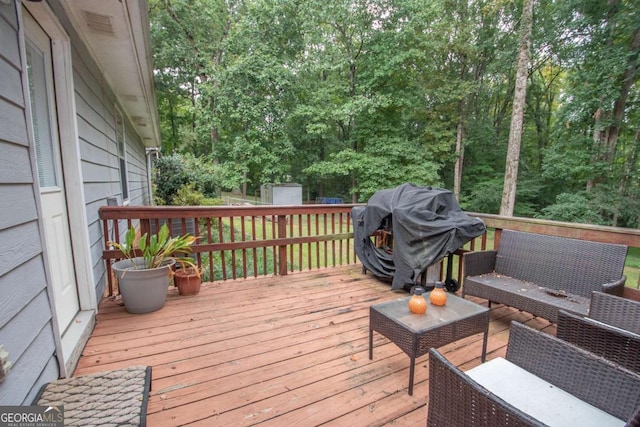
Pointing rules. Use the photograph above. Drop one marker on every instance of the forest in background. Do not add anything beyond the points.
(347, 97)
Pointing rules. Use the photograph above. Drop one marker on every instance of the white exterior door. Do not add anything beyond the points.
(52, 191)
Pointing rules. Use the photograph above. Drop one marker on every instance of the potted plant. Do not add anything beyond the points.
(144, 280)
(188, 280)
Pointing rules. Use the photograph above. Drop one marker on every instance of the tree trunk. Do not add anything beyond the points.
(457, 170)
(517, 115)
(174, 128)
(217, 60)
(354, 182)
(244, 185)
(606, 140)
(352, 126)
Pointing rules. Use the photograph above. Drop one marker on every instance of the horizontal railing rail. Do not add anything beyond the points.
(245, 241)
(596, 233)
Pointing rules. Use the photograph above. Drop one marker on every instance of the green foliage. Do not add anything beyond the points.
(158, 248)
(484, 197)
(259, 263)
(187, 195)
(182, 178)
(169, 175)
(572, 207)
(348, 97)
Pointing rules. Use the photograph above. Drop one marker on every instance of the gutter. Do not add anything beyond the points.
(149, 151)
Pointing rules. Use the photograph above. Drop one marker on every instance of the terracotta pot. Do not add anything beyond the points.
(187, 281)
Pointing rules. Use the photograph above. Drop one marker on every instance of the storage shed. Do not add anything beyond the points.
(281, 194)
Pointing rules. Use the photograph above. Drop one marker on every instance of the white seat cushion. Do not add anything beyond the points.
(538, 398)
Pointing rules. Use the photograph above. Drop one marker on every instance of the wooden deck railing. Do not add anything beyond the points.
(244, 241)
(596, 233)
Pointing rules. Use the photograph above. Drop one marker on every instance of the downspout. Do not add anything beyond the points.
(149, 151)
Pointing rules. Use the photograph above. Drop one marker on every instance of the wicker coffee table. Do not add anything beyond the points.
(415, 334)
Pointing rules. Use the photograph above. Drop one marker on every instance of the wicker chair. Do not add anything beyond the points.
(542, 274)
(611, 330)
(455, 399)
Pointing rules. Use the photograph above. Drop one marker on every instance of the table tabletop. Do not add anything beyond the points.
(456, 309)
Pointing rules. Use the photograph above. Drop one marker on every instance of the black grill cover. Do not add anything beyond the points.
(427, 224)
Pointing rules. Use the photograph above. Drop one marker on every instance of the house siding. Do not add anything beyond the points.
(27, 329)
(95, 115)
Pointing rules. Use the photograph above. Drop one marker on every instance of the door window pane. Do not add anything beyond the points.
(37, 65)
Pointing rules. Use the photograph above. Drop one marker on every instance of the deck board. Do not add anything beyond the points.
(289, 350)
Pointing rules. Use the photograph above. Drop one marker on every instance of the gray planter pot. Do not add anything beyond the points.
(143, 290)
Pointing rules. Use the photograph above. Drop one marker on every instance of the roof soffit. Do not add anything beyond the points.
(116, 33)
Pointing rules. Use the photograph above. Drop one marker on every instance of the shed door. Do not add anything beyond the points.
(52, 192)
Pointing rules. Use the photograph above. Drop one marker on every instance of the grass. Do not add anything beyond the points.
(305, 256)
(632, 268)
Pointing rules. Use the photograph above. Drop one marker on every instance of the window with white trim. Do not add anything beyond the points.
(122, 156)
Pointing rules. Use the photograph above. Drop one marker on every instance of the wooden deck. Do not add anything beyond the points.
(287, 350)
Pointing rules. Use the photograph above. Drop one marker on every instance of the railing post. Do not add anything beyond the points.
(105, 237)
(496, 238)
(145, 227)
(282, 249)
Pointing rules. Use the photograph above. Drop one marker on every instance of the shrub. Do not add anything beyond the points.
(188, 195)
(169, 175)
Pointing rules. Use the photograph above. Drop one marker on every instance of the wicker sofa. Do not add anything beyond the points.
(456, 399)
(542, 274)
(611, 330)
